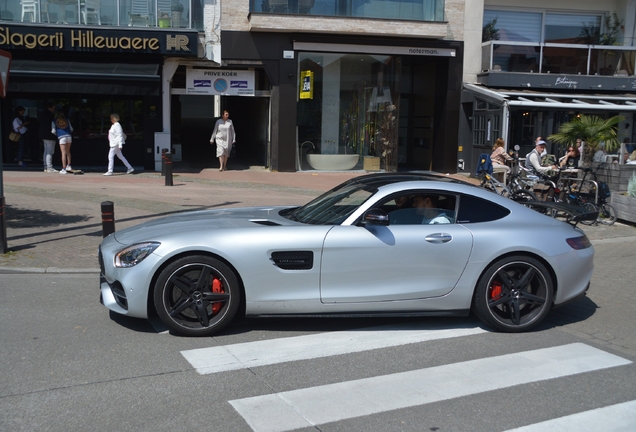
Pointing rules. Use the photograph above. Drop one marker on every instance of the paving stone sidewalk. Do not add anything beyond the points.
(54, 221)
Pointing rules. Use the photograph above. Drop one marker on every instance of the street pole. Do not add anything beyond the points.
(5, 63)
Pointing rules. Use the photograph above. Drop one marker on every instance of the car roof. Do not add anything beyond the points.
(378, 180)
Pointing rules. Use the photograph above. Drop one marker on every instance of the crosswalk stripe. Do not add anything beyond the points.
(328, 403)
(614, 418)
(273, 351)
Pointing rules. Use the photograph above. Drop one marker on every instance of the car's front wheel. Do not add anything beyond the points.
(514, 294)
(197, 295)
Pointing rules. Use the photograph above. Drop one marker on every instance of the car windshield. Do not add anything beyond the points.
(333, 207)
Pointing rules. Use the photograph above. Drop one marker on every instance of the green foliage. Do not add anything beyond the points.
(631, 186)
(591, 129)
(489, 32)
(591, 34)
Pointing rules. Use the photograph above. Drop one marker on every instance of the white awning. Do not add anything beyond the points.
(625, 102)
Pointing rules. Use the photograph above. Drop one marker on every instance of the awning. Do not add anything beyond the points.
(625, 102)
(85, 69)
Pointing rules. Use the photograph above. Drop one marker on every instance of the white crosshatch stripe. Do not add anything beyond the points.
(273, 351)
(324, 404)
(614, 418)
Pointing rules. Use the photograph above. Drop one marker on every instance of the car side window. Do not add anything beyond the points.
(473, 210)
(420, 207)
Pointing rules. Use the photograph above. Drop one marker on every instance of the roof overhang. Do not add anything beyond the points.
(625, 102)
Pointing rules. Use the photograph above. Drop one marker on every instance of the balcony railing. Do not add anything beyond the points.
(608, 60)
(118, 13)
(413, 10)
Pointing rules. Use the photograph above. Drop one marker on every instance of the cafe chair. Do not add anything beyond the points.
(139, 13)
(30, 8)
(92, 8)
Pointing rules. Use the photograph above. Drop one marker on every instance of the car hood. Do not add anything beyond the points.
(200, 221)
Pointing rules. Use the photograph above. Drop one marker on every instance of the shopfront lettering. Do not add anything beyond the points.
(423, 51)
(220, 74)
(17, 37)
(31, 40)
(566, 81)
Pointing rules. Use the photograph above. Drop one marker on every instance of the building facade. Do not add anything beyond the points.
(319, 84)
(529, 69)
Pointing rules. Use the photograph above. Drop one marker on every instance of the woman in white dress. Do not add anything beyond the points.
(225, 137)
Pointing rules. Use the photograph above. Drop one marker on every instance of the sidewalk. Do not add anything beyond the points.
(54, 221)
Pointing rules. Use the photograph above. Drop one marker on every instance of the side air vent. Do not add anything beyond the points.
(264, 222)
(293, 260)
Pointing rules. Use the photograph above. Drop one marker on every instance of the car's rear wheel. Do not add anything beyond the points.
(197, 295)
(514, 294)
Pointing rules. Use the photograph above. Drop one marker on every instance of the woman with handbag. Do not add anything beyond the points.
(225, 138)
(19, 127)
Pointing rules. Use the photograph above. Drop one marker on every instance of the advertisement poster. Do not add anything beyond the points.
(306, 85)
(220, 82)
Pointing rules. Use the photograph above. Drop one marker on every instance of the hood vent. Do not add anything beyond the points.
(293, 260)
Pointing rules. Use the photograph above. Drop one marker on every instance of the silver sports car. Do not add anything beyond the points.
(412, 244)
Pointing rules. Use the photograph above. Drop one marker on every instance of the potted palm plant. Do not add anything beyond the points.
(592, 130)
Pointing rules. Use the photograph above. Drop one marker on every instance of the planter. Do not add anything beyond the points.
(371, 163)
(176, 19)
(332, 162)
(625, 207)
(164, 22)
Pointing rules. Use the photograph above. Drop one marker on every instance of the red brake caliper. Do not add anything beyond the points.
(495, 290)
(217, 287)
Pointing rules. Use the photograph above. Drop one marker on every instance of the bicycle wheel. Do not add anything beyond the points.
(590, 208)
(523, 196)
(606, 214)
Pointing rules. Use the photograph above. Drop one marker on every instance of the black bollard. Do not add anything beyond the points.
(168, 169)
(163, 161)
(108, 218)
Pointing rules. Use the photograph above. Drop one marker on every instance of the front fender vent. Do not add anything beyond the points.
(293, 260)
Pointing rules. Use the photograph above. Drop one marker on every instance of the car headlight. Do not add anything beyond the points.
(133, 255)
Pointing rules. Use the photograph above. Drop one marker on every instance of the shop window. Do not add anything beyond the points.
(348, 105)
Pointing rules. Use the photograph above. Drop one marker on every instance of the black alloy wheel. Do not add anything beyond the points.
(514, 294)
(197, 295)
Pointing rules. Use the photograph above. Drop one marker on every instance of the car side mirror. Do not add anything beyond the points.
(375, 217)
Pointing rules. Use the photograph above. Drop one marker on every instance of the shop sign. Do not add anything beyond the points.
(220, 82)
(179, 43)
(306, 84)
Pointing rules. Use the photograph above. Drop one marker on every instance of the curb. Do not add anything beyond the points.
(54, 270)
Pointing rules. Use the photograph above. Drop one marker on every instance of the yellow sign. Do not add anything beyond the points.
(306, 85)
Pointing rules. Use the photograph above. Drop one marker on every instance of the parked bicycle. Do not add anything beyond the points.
(591, 190)
(488, 181)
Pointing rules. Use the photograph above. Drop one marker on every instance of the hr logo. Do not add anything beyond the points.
(178, 43)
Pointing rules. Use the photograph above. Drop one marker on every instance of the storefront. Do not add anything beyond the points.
(91, 72)
(351, 99)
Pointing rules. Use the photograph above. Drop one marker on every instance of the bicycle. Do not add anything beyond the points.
(598, 193)
(492, 184)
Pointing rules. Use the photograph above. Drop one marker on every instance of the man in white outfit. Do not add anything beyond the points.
(116, 139)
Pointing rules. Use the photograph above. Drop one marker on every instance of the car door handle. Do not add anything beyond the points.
(439, 238)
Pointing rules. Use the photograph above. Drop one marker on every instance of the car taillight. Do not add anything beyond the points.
(577, 243)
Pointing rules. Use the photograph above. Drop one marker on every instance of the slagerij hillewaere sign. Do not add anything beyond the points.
(220, 82)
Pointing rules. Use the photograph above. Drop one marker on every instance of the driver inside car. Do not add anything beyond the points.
(426, 206)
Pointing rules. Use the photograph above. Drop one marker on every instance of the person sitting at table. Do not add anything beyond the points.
(571, 158)
(499, 156)
(599, 156)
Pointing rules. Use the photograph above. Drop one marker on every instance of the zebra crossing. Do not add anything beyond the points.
(319, 405)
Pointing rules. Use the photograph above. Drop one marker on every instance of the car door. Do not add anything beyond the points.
(397, 262)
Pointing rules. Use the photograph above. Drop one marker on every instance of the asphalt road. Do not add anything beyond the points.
(69, 364)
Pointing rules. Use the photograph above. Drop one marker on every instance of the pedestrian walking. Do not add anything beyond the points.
(19, 127)
(116, 140)
(63, 129)
(224, 136)
(48, 137)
